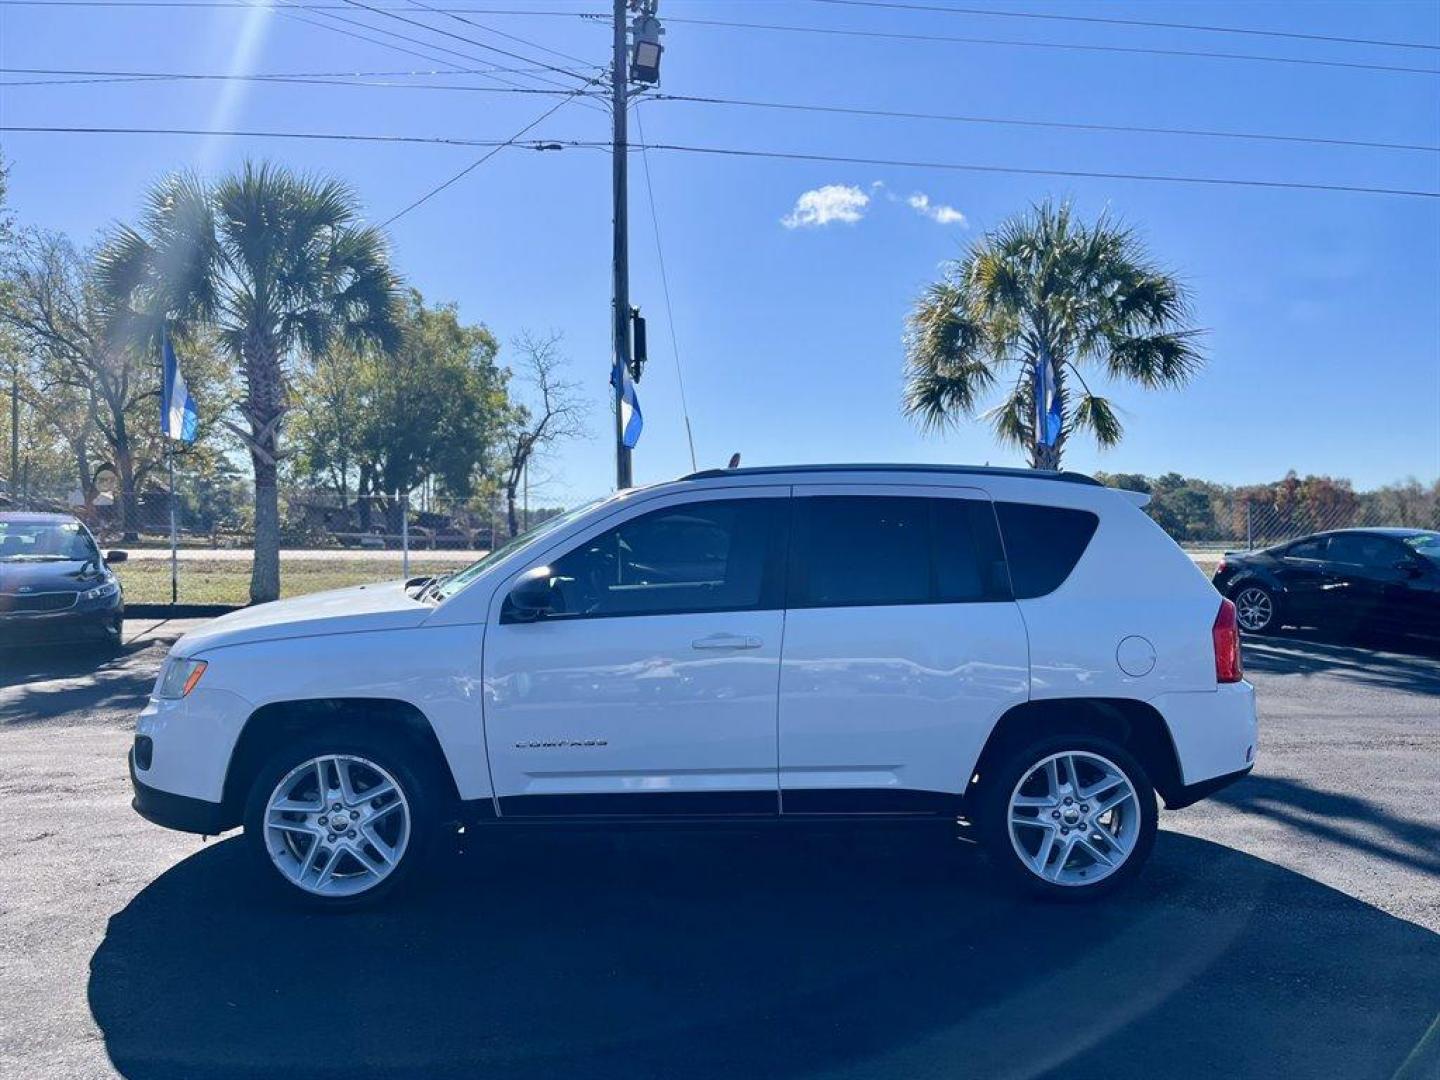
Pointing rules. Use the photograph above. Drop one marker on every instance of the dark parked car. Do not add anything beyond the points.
(1375, 580)
(54, 583)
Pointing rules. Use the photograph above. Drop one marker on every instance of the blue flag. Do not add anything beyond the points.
(631, 422)
(1047, 404)
(179, 418)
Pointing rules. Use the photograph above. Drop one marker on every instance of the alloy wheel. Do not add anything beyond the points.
(1254, 609)
(1074, 818)
(337, 825)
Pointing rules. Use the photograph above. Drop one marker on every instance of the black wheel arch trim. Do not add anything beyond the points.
(1190, 794)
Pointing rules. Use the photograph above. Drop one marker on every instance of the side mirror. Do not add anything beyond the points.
(532, 596)
(116, 556)
(1411, 567)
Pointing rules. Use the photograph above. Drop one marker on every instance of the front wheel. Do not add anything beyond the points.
(1256, 609)
(340, 821)
(1068, 817)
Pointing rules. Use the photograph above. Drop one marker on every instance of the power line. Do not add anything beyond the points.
(367, 79)
(665, 288)
(390, 14)
(848, 110)
(499, 33)
(81, 77)
(1147, 23)
(486, 157)
(1294, 185)
(739, 152)
(326, 136)
(1064, 46)
(300, 79)
(288, 9)
(222, 4)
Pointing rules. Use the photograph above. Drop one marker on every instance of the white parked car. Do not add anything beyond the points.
(1026, 652)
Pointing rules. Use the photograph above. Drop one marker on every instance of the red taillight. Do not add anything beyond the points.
(1220, 569)
(1226, 635)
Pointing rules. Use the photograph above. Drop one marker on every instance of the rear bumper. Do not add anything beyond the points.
(173, 811)
(1215, 732)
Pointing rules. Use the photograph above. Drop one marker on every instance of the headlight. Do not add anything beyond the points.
(110, 588)
(178, 678)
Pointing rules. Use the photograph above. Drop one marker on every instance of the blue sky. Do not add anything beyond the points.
(1323, 309)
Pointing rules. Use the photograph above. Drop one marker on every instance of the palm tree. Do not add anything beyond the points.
(276, 263)
(1044, 296)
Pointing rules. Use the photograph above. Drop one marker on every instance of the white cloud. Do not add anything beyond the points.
(945, 215)
(824, 205)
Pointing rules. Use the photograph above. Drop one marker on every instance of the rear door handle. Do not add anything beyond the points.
(726, 641)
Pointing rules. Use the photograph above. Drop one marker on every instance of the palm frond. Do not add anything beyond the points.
(1096, 415)
(947, 365)
(1155, 360)
(1012, 420)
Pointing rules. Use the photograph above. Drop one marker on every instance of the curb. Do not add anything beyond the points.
(179, 611)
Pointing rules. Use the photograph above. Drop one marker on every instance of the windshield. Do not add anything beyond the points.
(44, 541)
(1426, 544)
(448, 586)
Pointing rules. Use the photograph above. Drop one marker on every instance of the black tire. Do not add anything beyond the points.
(992, 818)
(114, 639)
(412, 775)
(1269, 626)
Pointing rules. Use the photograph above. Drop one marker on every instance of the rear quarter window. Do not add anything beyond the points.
(1043, 544)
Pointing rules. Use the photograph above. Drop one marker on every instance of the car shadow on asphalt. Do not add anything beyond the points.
(1346, 821)
(1416, 670)
(751, 954)
(46, 682)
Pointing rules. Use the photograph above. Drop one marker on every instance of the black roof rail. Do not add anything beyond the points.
(956, 470)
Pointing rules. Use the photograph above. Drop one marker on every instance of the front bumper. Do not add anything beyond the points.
(177, 811)
(99, 622)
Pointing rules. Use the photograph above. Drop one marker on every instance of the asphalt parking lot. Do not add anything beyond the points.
(1288, 928)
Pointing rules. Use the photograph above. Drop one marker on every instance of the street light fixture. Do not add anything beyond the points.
(645, 59)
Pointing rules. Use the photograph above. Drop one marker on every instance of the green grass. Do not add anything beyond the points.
(206, 581)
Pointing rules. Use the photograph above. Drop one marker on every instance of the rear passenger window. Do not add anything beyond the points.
(1043, 544)
(969, 562)
(855, 550)
(851, 551)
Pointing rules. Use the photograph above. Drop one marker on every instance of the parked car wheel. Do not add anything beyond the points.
(1256, 609)
(341, 821)
(1069, 818)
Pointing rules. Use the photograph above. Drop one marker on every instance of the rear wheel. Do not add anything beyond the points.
(341, 821)
(1069, 817)
(1256, 609)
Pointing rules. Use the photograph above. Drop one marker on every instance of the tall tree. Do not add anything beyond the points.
(80, 356)
(279, 265)
(432, 409)
(1046, 292)
(555, 412)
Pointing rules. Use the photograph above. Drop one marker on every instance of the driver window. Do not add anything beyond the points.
(703, 556)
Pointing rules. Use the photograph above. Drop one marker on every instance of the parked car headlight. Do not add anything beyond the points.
(178, 678)
(100, 592)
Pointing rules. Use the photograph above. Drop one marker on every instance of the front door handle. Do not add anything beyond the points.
(726, 641)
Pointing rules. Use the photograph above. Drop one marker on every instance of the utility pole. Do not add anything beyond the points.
(619, 78)
(14, 433)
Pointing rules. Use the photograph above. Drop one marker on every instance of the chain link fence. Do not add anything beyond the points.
(329, 540)
(1236, 520)
(326, 540)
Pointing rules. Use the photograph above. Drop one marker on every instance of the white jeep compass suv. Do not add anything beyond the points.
(1025, 652)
